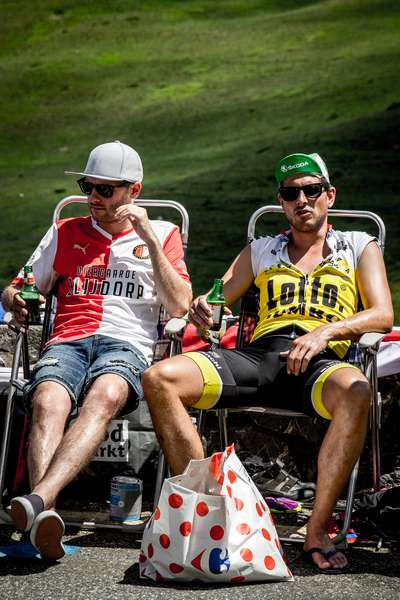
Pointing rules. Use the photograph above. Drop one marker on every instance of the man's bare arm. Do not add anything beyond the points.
(173, 292)
(377, 314)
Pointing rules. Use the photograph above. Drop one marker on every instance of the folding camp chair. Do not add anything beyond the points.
(164, 346)
(367, 348)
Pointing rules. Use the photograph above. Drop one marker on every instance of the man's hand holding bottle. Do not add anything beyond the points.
(207, 310)
(26, 303)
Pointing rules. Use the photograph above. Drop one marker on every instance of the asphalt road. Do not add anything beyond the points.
(106, 567)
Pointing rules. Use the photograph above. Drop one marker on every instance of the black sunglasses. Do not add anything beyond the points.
(105, 190)
(312, 190)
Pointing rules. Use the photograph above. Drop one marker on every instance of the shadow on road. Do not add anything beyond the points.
(362, 561)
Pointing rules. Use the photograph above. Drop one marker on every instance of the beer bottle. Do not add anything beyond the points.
(216, 301)
(30, 294)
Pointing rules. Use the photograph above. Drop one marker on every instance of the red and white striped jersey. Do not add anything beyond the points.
(105, 282)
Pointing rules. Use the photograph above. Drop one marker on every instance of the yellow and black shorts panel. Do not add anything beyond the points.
(212, 381)
(318, 386)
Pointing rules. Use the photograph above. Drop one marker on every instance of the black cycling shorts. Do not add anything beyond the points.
(256, 376)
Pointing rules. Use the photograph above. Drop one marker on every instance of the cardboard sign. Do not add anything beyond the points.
(115, 447)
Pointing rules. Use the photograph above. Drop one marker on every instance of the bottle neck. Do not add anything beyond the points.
(217, 293)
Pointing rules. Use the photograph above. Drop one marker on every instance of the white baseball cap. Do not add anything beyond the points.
(114, 161)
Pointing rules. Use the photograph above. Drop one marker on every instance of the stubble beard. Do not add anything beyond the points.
(108, 215)
(308, 226)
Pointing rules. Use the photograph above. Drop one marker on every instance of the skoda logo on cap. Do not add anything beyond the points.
(285, 168)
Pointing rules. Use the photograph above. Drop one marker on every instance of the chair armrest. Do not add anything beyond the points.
(175, 325)
(8, 319)
(371, 340)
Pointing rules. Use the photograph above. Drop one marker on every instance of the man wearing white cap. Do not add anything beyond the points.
(113, 270)
(310, 280)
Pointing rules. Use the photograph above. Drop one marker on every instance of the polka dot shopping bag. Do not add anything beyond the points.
(212, 524)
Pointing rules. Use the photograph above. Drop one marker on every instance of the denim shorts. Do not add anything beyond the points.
(75, 365)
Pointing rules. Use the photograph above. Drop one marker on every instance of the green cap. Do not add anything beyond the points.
(301, 163)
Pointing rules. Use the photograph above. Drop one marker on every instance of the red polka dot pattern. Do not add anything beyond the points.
(164, 540)
(269, 563)
(216, 532)
(239, 504)
(215, 465)
(246, 554)
(185, 528)
(266, 534)
(243, 528)
(175, 500)
(202, 509)
(252, 533)
(231, 476)
(174, 568)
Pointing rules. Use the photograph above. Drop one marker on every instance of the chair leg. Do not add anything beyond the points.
(340, 539)
(223, 429)
(200, 425)
(201, 419)
(375, 425)
(9, 410)
(160, 476)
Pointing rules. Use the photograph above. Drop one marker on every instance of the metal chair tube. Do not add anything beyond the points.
(9, 408)
(146, 202)
(362, 214)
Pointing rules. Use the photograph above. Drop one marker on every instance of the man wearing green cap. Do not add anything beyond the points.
(311, 279)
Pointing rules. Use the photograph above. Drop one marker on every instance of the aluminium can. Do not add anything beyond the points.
(126, 498)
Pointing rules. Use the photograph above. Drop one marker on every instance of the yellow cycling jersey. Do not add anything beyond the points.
(288, 296)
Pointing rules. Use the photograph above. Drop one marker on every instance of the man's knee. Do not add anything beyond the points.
(351, 392)
(106, 397)
(50, 401)
(158, 376)
(178, 378)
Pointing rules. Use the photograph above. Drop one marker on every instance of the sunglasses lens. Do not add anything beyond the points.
(106, 191)
(313, 190)
(86, 187)
(289, 193)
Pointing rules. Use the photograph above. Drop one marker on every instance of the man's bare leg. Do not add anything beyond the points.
(51, 406)
(104, 400)
(346, 394)
(169, 387)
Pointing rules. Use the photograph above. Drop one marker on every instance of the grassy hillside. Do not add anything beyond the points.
(211, 94)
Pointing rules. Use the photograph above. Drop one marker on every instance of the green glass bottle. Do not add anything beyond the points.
(30, 294)
(216, 301)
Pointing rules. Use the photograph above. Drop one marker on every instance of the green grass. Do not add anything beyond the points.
(211, 94)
